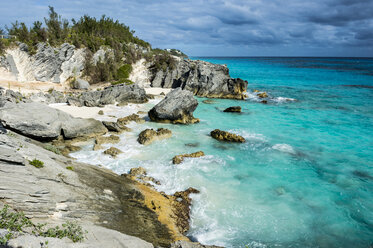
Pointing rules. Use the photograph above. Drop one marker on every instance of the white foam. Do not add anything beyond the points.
(284, 148)
(281, 99)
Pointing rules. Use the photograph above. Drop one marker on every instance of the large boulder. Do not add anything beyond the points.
(41, 122)
(202, 78)
(177, 107)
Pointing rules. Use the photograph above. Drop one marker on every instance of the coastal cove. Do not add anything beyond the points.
(300, 180)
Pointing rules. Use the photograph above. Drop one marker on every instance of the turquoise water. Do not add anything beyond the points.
(304, 178)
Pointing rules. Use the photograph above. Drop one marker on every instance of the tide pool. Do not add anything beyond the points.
(304, 177)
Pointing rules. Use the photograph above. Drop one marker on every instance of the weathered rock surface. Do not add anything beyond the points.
(187, 244)
(90, 195)
(110, 95)
(147, 136)
(180, 158)
(80, 84)
(112, 139)
(177, 107)
(48, 64)
(127, 119)
(234, 109)
(140, 175)
(113, 152)
(41, 122)
(226, 136)
(115, 126)
(96, 237)
(202, 78)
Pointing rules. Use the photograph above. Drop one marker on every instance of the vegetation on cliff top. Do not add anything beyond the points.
(93, 34)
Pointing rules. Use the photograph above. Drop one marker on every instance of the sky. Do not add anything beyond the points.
(226, 28)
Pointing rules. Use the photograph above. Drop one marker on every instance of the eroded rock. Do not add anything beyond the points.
(226, 136)
(147, 136)
(180, 158)
(113, 152)
(177, 108)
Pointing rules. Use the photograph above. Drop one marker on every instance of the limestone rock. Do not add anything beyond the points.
(202, 78)
(127, 119)
(11, 156)
(180, 158)
(226, 136)
(177, 107)
(147, 136)
(262, 95)
(113, 152)
(116, 126)
(110, 95)
(41, 122)
(234, 109)
(80, 84)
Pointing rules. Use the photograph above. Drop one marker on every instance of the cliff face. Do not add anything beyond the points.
(47, 65)
(202, 78)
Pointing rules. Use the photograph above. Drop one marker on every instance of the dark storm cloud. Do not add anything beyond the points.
(227, 27)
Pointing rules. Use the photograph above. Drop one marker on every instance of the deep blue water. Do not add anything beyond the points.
(304, 178)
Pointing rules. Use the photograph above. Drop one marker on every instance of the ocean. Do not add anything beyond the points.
(304, 178)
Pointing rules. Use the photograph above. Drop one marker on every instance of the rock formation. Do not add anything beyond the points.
(234, 109)
(147, 136)
(180, 158)
(110, 95)
(113, 152)
(105, 202)
(177, 107)
(41, 122)
(226, 136)
(202, 78)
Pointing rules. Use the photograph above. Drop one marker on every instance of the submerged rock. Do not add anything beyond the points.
(113, 152)
(226, 136)
(262, 95)
(209, 101)
(235, 109)
(180, 158)
(202, 78)
(177, 107)
(140, 175)
(147, 136)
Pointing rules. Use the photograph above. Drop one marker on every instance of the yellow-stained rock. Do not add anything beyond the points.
(180, 158)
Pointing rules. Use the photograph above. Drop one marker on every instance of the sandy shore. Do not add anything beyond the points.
(157, 91)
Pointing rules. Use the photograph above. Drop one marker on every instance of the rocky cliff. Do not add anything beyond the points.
(202, 78)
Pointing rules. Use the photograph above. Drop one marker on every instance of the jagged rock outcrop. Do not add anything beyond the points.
(80, 84)
(147, 136)
(37, 120)
(110, 95)
(48, 64)
(178, 159)
(202, 78)
(177, 107)
(226, 136)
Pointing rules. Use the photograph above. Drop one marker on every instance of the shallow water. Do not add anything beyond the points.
(304, 178)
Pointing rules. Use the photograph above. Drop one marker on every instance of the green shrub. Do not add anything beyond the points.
(37, 163)
(52, 148)
(124, 71)
(70, 168)
(17, 222)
